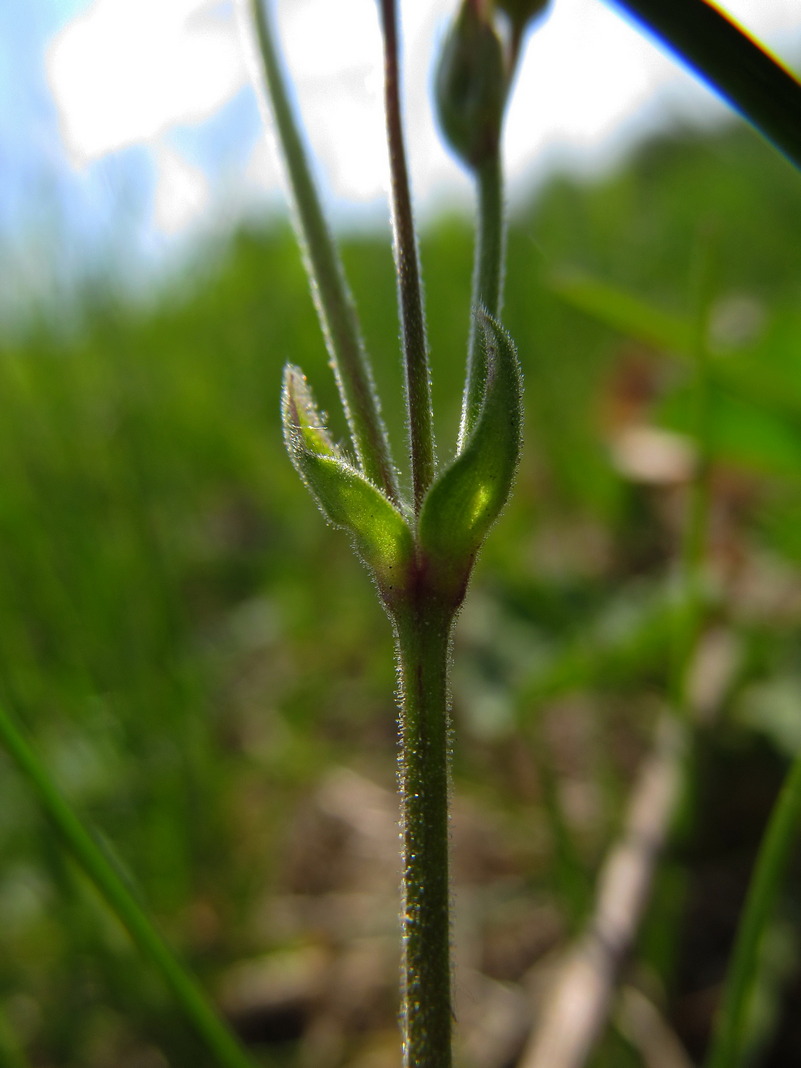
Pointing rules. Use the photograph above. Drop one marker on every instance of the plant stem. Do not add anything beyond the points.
(101, 872)
(487, 279)
(488, 273)
(730, 1041)
(332, 297)
(423, 633)
(410, 294)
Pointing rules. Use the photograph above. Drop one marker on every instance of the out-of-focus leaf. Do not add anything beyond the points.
(622, 311)
(764, 372)
(744, 432)
(767, 371)
(467, 497)
(738, 67)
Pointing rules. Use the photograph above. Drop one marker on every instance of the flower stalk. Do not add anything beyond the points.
(330, 291)
(487, 278)
(423, 633)
(420, 552)
(410, 295)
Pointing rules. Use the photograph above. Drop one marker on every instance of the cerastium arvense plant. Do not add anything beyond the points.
(420, 543)
(419, 546)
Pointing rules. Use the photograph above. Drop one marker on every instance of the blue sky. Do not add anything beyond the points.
(128, 127)
(53, 219)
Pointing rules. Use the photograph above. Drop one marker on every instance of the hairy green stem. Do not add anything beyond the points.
(488, 270)
(335, 306)
(730, 1041)
(487, 279)
(102, 874)
(410, 294)
(761, 89)
(423, 633)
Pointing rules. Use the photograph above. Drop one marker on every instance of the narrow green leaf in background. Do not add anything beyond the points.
(753, 81)
(731, 1038)
(78, 841)
(625, 312)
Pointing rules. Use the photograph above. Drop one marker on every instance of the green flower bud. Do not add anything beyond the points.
(522, 11)
(471, 87)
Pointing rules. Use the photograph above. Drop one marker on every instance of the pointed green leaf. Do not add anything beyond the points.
(303, 427)
(468, 496)
(381, 535)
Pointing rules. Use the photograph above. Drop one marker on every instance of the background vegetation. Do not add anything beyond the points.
(202, 665)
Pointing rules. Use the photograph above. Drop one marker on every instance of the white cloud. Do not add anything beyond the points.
(182, 194)
(127, 70)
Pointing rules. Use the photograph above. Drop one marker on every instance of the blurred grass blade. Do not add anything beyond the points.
(755, 398)
(79, 843)
(753, 81)
(622, 311)
(730, 1041)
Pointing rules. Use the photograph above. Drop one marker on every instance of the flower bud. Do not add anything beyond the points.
(471, 87)
(522, 11)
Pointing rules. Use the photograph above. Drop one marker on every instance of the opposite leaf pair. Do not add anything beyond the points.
(462, 503)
